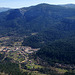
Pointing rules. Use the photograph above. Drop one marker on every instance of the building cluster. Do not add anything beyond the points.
(22, 49)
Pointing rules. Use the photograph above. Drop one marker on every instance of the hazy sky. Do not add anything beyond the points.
(26, 3)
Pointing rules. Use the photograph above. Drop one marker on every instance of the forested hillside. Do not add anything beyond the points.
(61, 51)
(45, 18)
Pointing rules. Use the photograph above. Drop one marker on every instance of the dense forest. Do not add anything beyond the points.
(59, 51)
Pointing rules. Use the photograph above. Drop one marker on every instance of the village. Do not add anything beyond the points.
(22, 49)
(18, 53)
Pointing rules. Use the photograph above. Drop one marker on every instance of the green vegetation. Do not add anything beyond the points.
(10, 68)
(58, 52)
(31, 66)
(61, 70)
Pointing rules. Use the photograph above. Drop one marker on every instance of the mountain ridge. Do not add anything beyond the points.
(68, 5)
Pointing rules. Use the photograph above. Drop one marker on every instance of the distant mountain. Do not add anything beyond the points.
(69, 5)
(2, 9)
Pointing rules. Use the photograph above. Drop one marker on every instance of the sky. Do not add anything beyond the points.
(27, 3)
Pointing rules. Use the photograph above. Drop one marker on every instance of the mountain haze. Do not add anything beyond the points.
(2, 9)
(69, 5)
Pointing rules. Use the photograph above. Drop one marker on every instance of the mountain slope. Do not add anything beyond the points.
(51, 22)
(45, 17)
